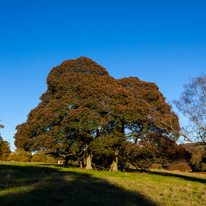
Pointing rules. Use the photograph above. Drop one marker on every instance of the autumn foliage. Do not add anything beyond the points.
(86, 112)
(41, 157)
(20, 156)
(179, 166)
(4, 148)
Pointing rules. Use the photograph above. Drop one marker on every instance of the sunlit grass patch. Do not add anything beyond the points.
(54, 185)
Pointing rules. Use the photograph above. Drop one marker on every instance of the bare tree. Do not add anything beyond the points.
(192, 104)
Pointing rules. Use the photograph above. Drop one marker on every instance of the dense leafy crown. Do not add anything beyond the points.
(85, 109)
(69, 67)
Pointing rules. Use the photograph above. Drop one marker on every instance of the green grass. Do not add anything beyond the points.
(50, 185)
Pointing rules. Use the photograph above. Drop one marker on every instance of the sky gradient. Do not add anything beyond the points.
(157, 41)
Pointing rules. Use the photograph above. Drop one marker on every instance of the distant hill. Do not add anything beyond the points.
(190, 146)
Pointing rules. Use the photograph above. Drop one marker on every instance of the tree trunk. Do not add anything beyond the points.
(80, 164)
(123, 168)
(115, 162)
(89, 162)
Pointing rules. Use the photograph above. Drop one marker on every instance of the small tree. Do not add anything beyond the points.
(5, 150)
(192, 104)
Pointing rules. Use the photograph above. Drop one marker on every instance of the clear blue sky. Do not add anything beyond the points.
(158, 41)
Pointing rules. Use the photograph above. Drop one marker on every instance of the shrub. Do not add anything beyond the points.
(180, 166)
(51, 159)
(197, 158)
(156, 166)
(12, 157)
(203, 167)
(41, 157)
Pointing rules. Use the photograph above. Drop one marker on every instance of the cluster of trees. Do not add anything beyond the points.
(87, 114)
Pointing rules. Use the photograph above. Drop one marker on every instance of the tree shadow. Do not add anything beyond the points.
(32, 185)
(185, 177)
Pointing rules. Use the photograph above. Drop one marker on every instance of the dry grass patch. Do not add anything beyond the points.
(52, 185)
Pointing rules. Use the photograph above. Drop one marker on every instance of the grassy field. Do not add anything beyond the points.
(50, 185)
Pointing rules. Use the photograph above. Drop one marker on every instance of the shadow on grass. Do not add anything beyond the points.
(185, 177)
(33, 185)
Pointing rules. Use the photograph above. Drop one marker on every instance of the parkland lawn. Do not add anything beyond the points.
(51, 185)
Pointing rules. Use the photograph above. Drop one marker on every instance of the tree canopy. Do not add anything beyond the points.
(4, 147)
(192, 104)
(85, 111)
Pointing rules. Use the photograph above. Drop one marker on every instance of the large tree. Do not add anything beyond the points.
(150, 132)
(71, 111)
(85, 111)
(141, 118)
(192, 104)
